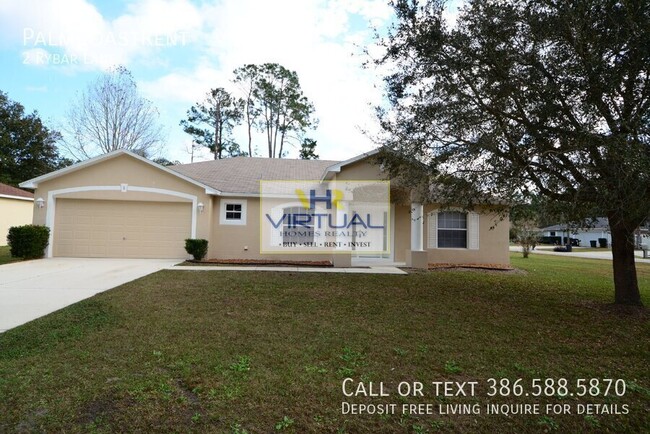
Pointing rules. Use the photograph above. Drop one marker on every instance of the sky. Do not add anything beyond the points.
(177, 50)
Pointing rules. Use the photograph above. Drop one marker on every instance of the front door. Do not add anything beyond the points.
(383, 239)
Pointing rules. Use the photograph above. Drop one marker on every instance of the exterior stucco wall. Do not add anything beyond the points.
(402, 236)
(366, 171)
(125, 170)
(13, 212)
(493, 242)
(243, 241)
(360, 171)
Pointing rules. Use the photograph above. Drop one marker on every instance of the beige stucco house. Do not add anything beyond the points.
(123, 205)
(15, 209)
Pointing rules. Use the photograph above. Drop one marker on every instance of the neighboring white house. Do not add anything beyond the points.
(16, 209)
(598, 229)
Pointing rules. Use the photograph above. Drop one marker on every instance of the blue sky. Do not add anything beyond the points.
(178, 49)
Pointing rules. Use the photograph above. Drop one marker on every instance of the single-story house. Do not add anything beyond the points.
(16, 209)
(123, 205)
(592, 232)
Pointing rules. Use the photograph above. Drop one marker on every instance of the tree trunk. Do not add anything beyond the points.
(626, 286)
(269, 131)
(281, 144)
(217, 132)
(248, 122)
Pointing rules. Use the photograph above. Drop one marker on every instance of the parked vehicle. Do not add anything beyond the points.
(559, 241)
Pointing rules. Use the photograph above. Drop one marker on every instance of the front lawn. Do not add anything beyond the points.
(262, 352)
(5, 255)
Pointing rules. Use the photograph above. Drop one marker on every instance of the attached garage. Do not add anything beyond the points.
(121, 205)
(121, 229)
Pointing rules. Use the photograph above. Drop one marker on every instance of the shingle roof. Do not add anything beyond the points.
(599, 223)
(243, 174)
(8, 190)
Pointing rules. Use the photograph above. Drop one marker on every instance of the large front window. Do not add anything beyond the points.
(452, 229)
(302, 234)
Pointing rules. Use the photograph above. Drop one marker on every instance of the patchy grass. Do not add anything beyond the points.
(5, 256)
(235, 352)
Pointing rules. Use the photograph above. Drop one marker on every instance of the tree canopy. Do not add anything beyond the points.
(308, 150)
(524, 98)
(27, 147)
(210, 123)
(284, 112)
(111, 114)
(269, 100)
(245, 79)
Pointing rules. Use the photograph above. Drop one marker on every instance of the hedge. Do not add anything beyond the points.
(29, 241)
(198, 248)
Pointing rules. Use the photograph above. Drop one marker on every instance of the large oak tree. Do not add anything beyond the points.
(530, 97)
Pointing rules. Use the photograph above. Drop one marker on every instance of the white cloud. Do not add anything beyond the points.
(451, 12)
(318, 39)
(186, 85)
(77, 30)
(155, 24)
(67, 27)
(159, 17)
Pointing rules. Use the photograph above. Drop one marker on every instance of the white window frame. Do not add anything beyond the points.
(472, 229)
(222, 213)
(465, 229)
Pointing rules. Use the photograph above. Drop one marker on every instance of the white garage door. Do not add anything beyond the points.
(121, 229)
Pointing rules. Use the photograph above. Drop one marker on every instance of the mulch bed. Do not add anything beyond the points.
(438, 266)
(254, 262)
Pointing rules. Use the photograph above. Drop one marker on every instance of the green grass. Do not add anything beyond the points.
(5, 256)
(235, 352)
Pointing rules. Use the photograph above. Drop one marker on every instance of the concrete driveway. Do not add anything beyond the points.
(31, 289)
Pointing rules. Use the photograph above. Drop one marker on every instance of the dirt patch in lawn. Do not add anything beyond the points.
(626, 312)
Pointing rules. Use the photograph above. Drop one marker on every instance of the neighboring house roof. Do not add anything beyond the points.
(600, 223)
(33, 183)
(242, 175)
(15, 193)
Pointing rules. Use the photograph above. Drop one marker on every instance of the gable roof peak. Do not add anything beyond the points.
(33, 183)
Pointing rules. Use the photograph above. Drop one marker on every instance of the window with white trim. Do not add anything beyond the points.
(233, 212)
(453, 230)
(302, 233)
